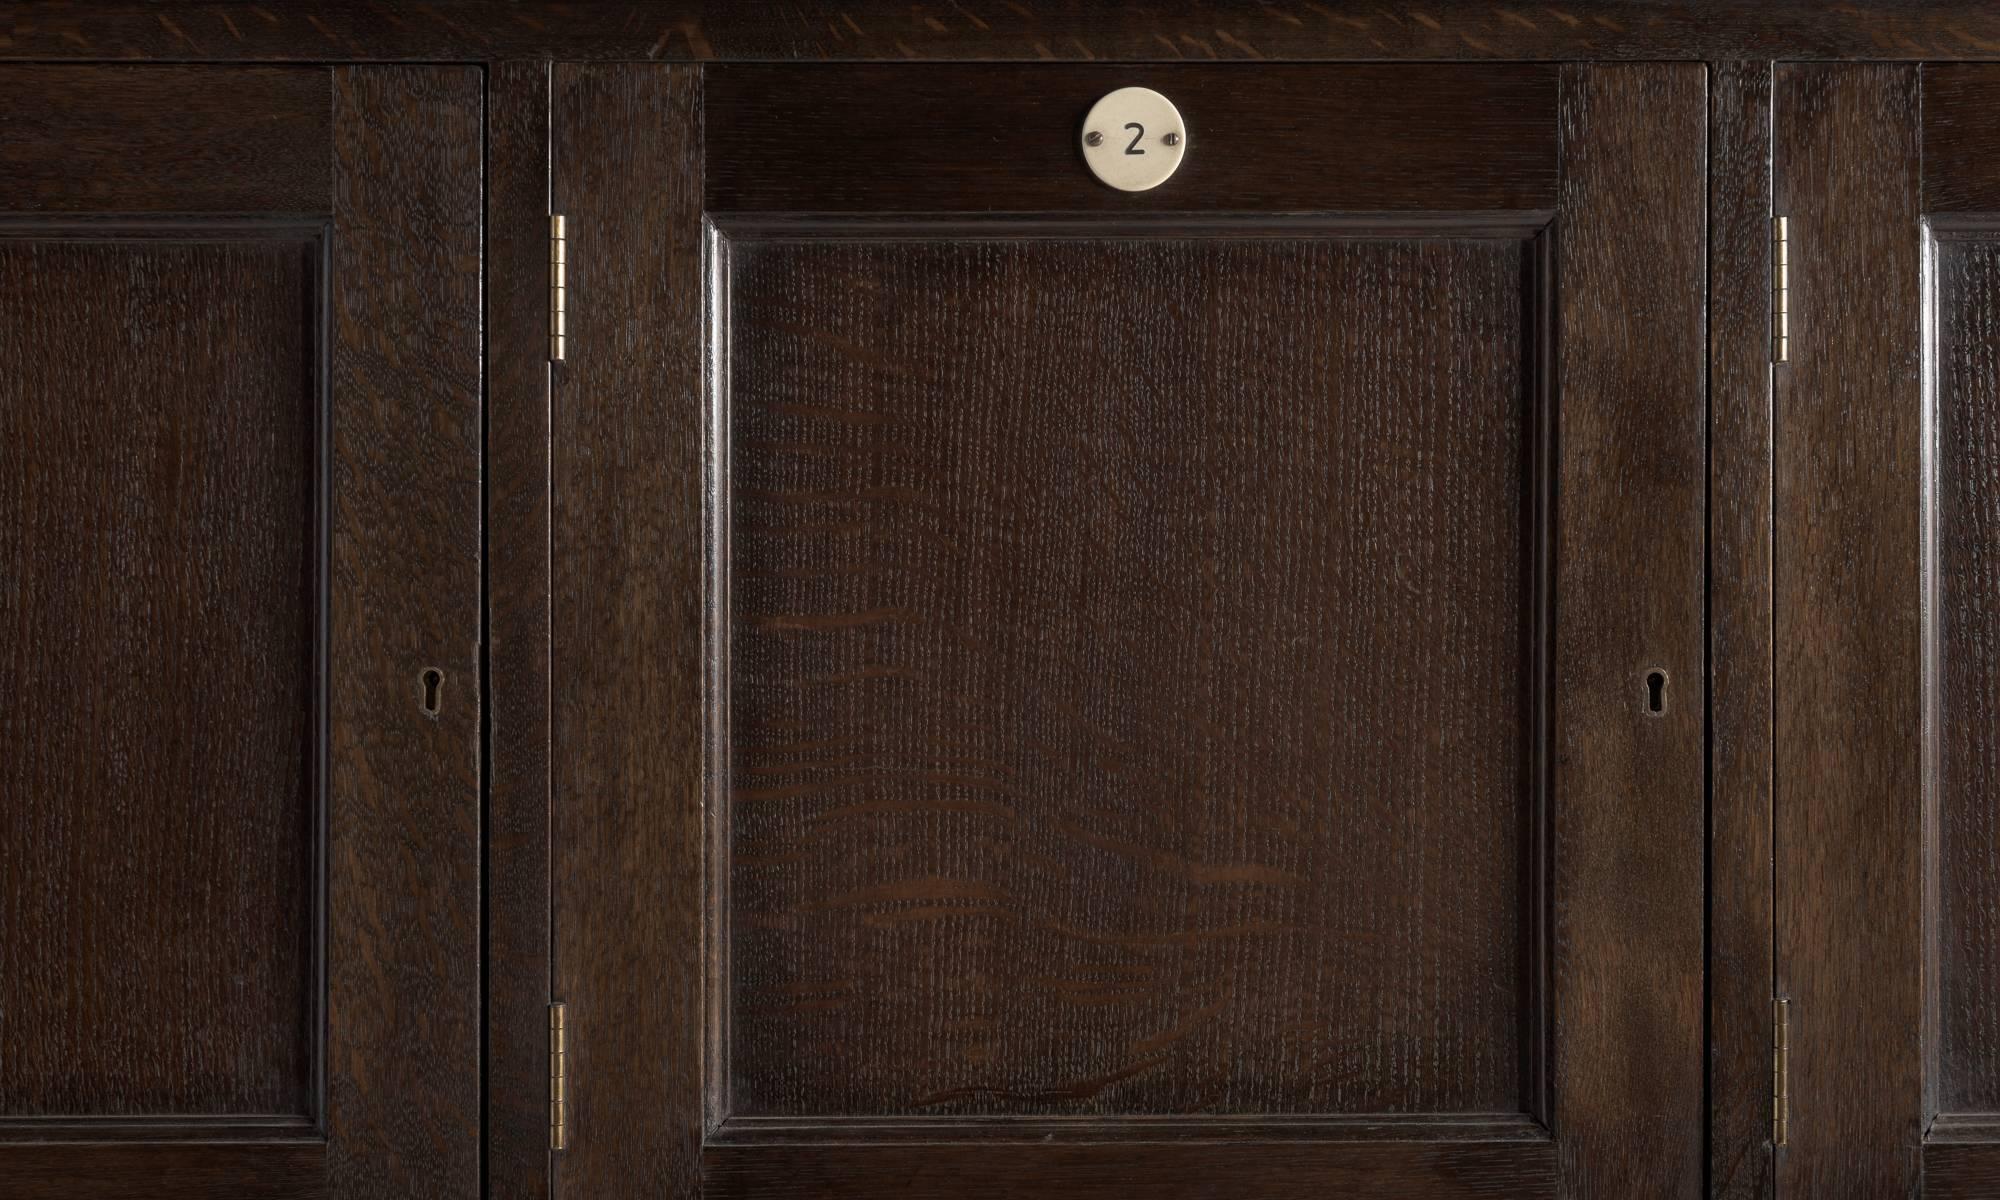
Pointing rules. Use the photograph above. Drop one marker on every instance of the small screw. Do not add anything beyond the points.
(1172, 139)
(1093, 138)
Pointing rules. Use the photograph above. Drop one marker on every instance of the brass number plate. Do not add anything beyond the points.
(1134, 139)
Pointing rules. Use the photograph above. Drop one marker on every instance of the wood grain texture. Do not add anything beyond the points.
(1739, 633)
(1245, 30)
(1847, 505)
(1962, 1157)
(629, 530)
(1389, 1171)
(1961, 138)
(1629, 833)
(403, 872)
(1081, 724)
(273, 1171)
(1967, 915)
(163, 139)
(159, 582)
(518, 667)
(978, 138)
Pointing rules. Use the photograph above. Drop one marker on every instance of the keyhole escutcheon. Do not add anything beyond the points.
(1656, 692)
(433, 680)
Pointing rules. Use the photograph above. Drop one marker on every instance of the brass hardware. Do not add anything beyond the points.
(1781, 291)
(558, 285)
(558, 1075)
(1781, 1070)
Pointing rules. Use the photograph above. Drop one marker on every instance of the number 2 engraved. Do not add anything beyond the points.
(1132, 147)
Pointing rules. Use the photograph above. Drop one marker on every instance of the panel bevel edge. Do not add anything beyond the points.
(1512, 1128)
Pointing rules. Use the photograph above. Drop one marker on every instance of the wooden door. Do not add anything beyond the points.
(1886, 619)
(1070, 692)
(239, 631)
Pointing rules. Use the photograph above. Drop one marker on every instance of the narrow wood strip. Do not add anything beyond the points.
(628, 471)
(1629, 830)
(518, 583)
(1283, 1171)
(1739, 634)
(1028, 30)
(403, 868)
(166, 1171)
(1847, 511)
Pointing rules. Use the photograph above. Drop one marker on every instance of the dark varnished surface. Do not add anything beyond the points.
(163, 139)
(1138, 731)
(518, 583)
(158, 451)
(1244, 30)
(1848, 503)
(1961, 138)
(1628, 785)
(1739, 833)
(1267, 1172)
(279, 1171)
(1968, 559)
(403, 870)
(974, 138)
(628, 704)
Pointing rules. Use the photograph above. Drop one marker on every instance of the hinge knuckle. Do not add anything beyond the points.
(1781, 290)
(558, 1079)
(558, 286)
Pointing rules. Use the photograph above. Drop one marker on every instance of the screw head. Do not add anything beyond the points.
(1093, 138)
(1172, 139)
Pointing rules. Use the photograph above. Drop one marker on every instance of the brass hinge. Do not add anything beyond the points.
(558, 1081)
(558, 285)
(1781, 1070)
(1781, 290)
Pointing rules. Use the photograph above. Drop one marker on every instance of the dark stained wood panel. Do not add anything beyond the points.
(1848, 503)
(1968, 565)
(1739, 632)
(159, 580)
(1128, 715)
(1512, 1171)
(1629, 795)
(1961, 138)
(404, 823)
(1028, 30)
(162, 139)
(626, 627)
(977, 138)
(271, 1171)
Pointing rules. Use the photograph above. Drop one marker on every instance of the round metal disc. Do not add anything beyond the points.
(1134, 139)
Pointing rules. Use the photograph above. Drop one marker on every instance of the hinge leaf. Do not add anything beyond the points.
(1781, 290)
(558, 1079)
(558, 286)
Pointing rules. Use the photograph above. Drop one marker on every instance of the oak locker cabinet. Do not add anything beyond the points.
(240, 583)
(1193, 691)
(979, 600)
